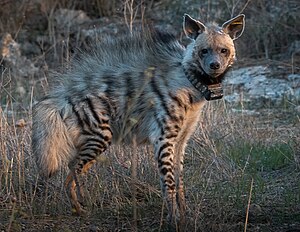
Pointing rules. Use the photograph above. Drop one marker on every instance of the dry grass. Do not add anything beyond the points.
(228, 151)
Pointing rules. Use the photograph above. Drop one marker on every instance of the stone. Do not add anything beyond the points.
(11, 55)
(258, 86)
(66, 18)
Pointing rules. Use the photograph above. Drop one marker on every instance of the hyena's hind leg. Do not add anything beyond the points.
(74, 187)
(94, 137)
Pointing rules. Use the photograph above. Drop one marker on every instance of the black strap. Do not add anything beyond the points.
(210, 90)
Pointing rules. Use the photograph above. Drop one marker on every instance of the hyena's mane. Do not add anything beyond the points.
(139, 49)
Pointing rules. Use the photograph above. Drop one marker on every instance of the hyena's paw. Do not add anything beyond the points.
(78, 207)
(177, 221)
(78, 210)
(174, 217)
(75, 192)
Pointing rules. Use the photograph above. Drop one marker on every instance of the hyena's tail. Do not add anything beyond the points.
(51, 142)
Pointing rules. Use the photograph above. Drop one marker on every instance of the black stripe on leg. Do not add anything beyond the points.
(165, 145)
(164, 155)
(104, 127)
(88, 155)
(100, 146)
(81, 114)
(94, 132)
(164, 163)
(87, 118)
(171, 135)
(169, 180)
(79, 119)
(178, 101)
(191, 99)
(93, 140)
(104, 101)
(92, 109)
(164, 170)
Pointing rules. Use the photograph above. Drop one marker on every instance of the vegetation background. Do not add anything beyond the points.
(242, 170)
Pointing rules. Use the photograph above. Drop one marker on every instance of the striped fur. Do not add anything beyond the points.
(143, 86)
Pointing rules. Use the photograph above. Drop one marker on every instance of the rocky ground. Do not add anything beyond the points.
(255, 83)
(266, 84)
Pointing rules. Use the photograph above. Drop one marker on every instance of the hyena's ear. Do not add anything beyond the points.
(235, 26)
(191, 27)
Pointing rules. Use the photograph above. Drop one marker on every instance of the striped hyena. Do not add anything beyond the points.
(145, 86)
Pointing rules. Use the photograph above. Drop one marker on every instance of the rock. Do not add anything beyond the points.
(66, 18)
(258, 86)
(21, 123)
(10, 49)
(245, 112)
(293, 48)
(294, 78)
(30, 49)
(11, 55)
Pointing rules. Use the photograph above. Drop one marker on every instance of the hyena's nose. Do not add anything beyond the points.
(214, 65)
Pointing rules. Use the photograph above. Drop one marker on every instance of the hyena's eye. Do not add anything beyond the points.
(224, 50)
(204, 51)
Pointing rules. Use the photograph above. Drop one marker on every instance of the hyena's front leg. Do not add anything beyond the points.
(179, 157)
(165, 159)
(170, 167)
(170, 154)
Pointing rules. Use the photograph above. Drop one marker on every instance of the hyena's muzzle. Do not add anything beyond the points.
(215, 68)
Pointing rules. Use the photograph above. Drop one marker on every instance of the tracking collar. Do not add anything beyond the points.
(204, 84)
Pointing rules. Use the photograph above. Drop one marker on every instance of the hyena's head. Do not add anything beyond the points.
(212, 49)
